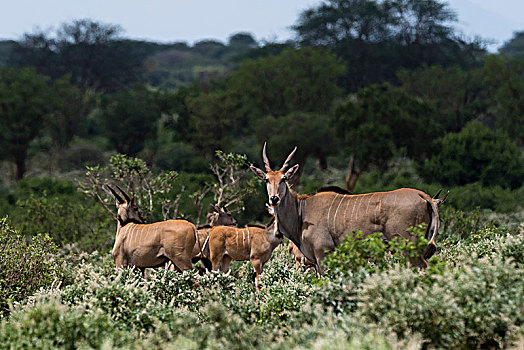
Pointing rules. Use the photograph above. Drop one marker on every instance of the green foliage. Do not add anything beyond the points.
(382, 119)
(515, 46)
(458, 95)
(129, 119)
(459, 225)
(24, 266)
(93, 53)
(295, 80)
(475, 154)
(373, 254)
(309, 130)
(480, 305)
(503, 79)
(153, 191)
(234, 181)
(52, 325)
(26, 98)
(471, 298)
(385, 36)
(66, 219)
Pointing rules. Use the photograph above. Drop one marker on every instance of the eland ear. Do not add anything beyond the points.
(215, 208)
(289, 174)
(258, 172)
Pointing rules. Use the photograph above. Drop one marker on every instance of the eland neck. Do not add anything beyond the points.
(288, 218)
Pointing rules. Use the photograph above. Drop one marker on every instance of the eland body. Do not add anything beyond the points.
(150, 245)
(253, 243)
(219, 217)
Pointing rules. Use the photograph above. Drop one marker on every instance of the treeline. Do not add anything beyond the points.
(365, 86)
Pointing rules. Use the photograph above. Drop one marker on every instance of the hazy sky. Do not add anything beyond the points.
(192, 20)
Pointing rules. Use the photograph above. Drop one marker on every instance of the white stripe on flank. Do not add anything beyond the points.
(131, 231)
(243, 238)
(395, 202)
(335, 216)
(354, 205)
(369, 201)
(248, 237)
(137, 232)
(360, 203)
(346, 211)
(237, 236)
(329, 211)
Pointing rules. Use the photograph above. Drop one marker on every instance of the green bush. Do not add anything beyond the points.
(481, 304)
(458, 225)
(24, 266)
(373, 253)
(66, 219)
(476, 154)
(52, 325)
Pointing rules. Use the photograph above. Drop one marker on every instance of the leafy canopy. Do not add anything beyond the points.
(477, 153)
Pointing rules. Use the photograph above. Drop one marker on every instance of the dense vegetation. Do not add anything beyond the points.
(374, 101)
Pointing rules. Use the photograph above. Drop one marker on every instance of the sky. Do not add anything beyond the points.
(193, 20)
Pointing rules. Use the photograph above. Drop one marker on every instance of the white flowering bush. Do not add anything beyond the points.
(471, 296)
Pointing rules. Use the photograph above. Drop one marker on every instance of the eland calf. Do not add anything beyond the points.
(253, 243)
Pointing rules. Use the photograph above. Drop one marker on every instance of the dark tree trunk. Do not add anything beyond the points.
(352, 177)
(20, 168)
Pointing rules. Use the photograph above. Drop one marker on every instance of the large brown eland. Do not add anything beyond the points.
(318, 223)
(253, 243)
(150, 245)
(219, 217)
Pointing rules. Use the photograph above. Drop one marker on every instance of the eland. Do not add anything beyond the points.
(254, 243)
(219, 217)
(150, 245)
(318, 223)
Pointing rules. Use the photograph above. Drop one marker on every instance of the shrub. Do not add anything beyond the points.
(482, 304)
(51, 325)
(24, 266)
(476, 154)
(458, 225)
(66, 219)
(373, 253)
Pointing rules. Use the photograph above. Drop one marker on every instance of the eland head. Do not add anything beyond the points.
(276, 181)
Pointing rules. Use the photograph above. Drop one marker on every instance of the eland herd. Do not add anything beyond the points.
(315, 225)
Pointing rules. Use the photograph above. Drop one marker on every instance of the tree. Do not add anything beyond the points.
(379, 122)
(476, 154)
(376, 38)
(211, 120)
(515, 46)
(503, 77)
(25, 99)
(234, 182)
(295, 80)
(242, 39)
(69, 119)
(92, 52)
(129, 119)
(458, 95)
(311, 132)
(153, 191)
